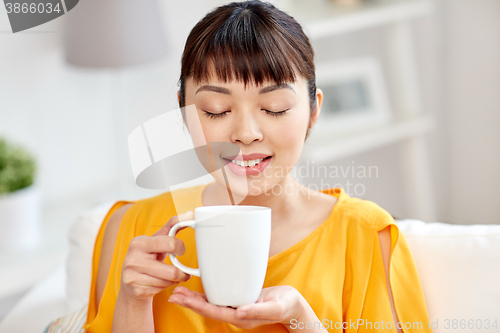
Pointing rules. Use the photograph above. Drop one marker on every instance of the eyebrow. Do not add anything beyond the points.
(228, 92)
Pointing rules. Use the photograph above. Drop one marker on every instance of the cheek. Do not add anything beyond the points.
(207, 130)
(195, 126)
(214, 133)
(292, 133)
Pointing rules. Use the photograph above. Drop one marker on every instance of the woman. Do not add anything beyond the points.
(248, 69)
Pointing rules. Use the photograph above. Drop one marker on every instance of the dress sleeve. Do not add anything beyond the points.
(409, 301)
(100, 319)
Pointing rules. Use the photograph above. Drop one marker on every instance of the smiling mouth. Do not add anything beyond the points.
(247, 163)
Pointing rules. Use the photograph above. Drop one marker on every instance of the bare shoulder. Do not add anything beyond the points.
(323, 202)
(108, 246)
(114, 223)
(320, 206)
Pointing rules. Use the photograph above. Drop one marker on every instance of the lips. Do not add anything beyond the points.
(246, 165)
(247, 157)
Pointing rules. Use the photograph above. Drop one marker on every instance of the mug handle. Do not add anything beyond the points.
(173, 257)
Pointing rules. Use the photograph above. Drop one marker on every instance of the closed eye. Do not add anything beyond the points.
(215, 115)
(222, 114)
(276, 113)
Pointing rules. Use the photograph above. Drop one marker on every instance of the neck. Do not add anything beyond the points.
(283, 203)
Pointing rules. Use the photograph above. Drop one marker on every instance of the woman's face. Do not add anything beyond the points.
(268, 123)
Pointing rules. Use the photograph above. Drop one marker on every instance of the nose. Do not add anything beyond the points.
(246, 128)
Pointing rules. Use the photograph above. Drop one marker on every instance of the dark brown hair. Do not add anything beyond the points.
(248, 41)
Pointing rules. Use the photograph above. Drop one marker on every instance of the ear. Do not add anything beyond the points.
(183, 116)
(319, 102)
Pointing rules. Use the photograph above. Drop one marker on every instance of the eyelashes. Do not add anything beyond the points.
(222, 114)
(276, 114)
(215, 115)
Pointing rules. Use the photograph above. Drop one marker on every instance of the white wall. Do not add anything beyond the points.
(387, 189)
(472, 53)
(60, 113)
(458, 56)
(68, 116)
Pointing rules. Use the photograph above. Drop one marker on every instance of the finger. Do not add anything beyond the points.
(209, 310)
(206, 309)
(173, 221)
(166, 228)
(164, 244)
(189, 215)
(146, 280)
(216, 312)
(190, 293)
(163, 255)
(265, 311)
(159, 270)
(157, 244)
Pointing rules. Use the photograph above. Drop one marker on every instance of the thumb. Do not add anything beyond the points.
(189, 215)
(173, 221)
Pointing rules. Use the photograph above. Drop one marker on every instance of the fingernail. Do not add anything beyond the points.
(241, 314)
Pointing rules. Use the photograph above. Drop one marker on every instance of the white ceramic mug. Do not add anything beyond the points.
(232, 245)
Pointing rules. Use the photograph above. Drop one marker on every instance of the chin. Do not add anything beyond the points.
(243, 187)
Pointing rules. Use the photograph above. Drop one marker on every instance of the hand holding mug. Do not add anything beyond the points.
(278, 304)
(144, 274)
(232, 246)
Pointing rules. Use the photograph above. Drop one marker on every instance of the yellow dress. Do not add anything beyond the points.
(338, 268)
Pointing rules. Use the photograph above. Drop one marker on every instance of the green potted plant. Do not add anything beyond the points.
(19, 197)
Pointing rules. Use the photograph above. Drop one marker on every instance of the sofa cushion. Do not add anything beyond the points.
(458, 265)
(82, 234)
(70, 323)
(459, 269)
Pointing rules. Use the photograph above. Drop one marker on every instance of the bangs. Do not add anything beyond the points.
(245, 44)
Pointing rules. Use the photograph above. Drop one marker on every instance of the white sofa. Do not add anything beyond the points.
(459, 268)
